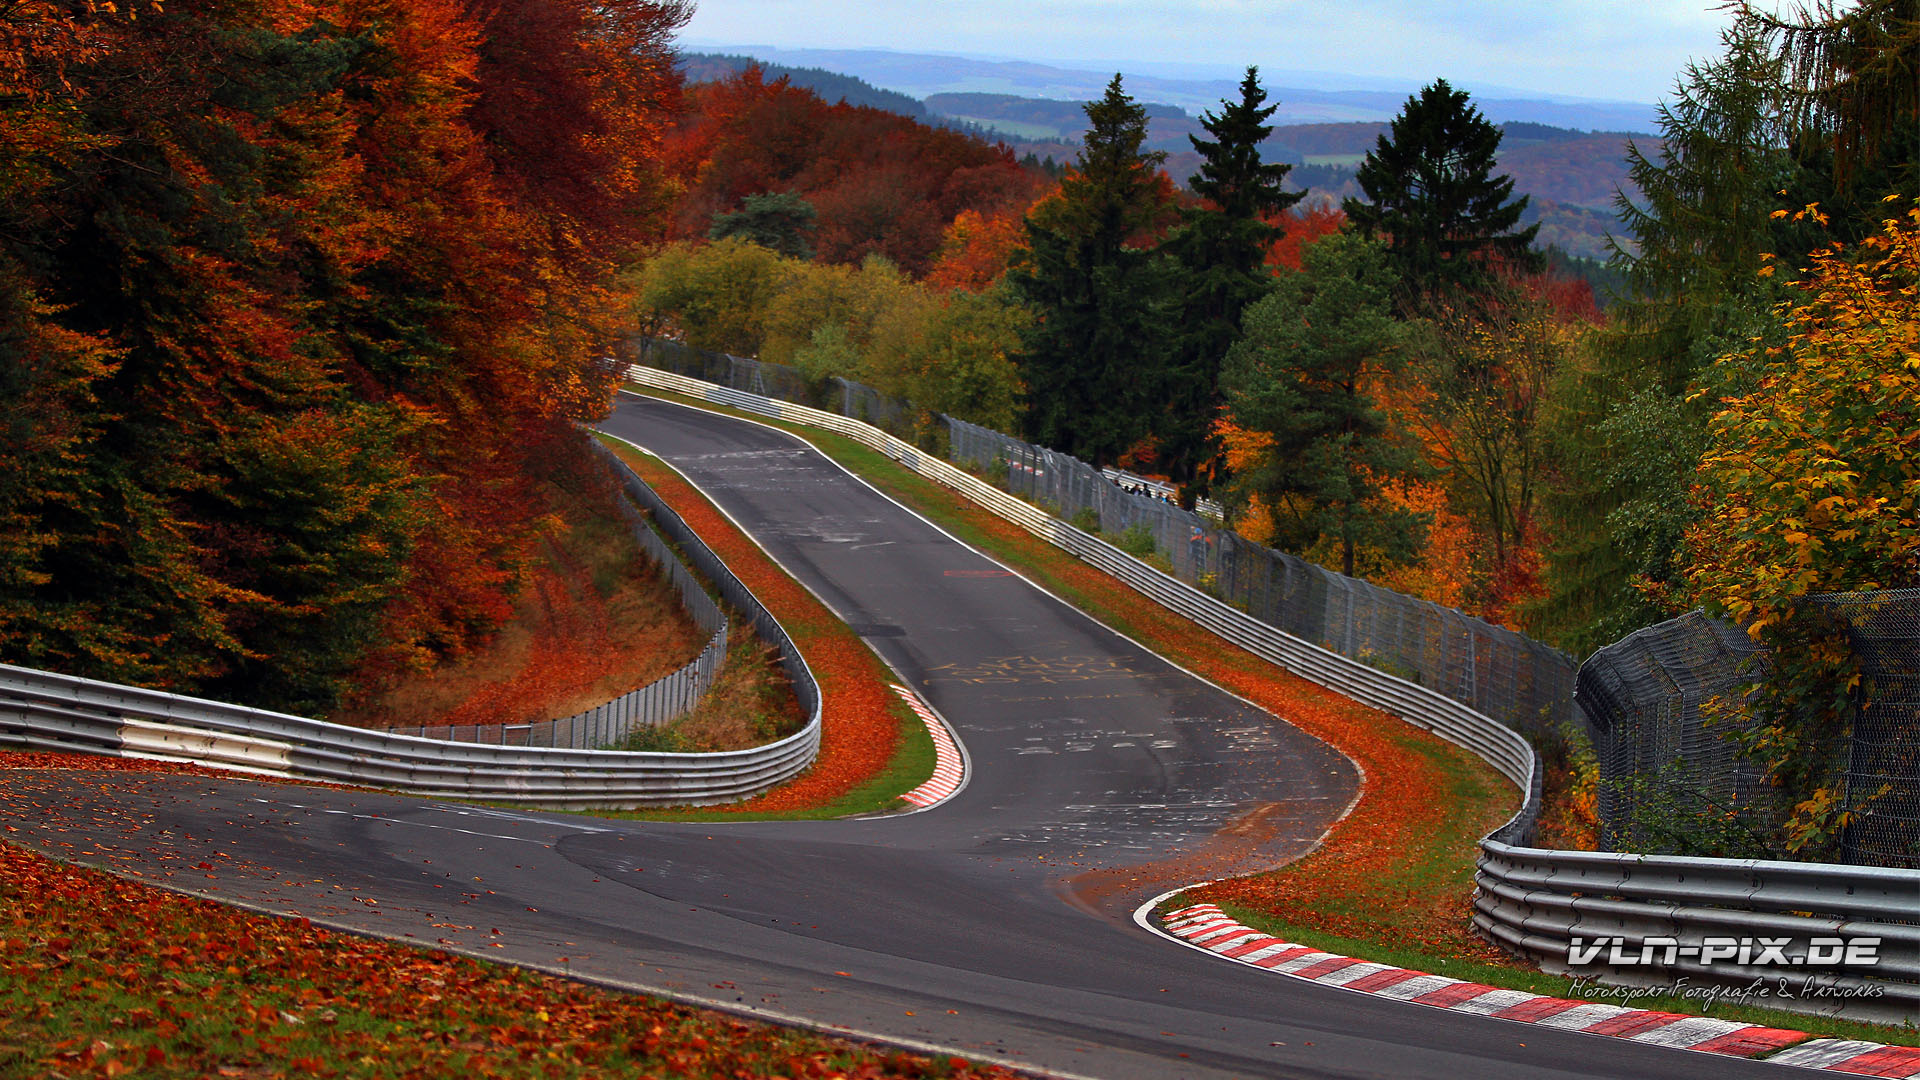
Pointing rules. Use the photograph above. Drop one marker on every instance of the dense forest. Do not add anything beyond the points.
(301, 303)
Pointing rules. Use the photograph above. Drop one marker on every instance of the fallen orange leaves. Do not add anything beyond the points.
(173, 986)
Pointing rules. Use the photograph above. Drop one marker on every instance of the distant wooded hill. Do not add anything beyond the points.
(832, 86)
(1572, 176)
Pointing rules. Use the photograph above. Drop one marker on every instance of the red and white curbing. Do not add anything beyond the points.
(949, 769)
(1207, 927)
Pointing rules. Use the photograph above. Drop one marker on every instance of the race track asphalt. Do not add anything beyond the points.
(952, 928)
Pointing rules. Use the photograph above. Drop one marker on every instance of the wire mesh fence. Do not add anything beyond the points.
(833, 394)
(738, 372)
(1667, 772)
(1664, 767)
(1883, 759)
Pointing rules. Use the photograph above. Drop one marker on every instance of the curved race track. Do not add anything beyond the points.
(952, 928)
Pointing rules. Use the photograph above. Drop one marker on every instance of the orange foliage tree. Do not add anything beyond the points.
(302, 296)
(1301, 226)
(977, 249)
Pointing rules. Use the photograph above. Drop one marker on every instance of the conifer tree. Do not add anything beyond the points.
(781, 221)
(1851, 79)
(1432, 193)
(1221, 253)
(1092, 360)
(1299, 376)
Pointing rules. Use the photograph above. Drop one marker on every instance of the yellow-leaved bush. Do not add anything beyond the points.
(1812, 485)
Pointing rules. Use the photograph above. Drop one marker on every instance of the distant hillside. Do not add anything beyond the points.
(1303, 97)
(831, 86)
(1571, 175)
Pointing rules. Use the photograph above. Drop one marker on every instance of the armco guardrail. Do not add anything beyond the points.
(1648, 920)
(666, 698)
(45, 711)
(1530, 899)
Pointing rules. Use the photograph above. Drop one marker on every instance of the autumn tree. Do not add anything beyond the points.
(1093, 359)
(953, 354)
(1811, 484)
(1221, 252)
(879, 183)
(310, 295)
(944, 351)
(714, 296)
(1483, 424)
(977, 250)
(1300, 377)
(1431, 193)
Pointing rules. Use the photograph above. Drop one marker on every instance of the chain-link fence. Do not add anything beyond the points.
(1669, 780)
(738, 372)
(1883, 759)
(834, 394)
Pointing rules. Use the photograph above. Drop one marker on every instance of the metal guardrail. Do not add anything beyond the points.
(1661, 911)
(45, 711)
(665, 699)
(1534, 900)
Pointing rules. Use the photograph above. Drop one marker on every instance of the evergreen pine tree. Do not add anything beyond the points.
(1431, 191)
(1221, 253)
(1093, 357)
(779, 221)
(1299, 376)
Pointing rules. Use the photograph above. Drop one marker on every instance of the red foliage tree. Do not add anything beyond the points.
(307, 292)
(880, 182)
(1303, 225)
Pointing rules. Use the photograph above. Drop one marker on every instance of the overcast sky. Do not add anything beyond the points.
(1622, 50)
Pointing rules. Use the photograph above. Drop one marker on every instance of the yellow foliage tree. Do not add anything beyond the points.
(1815, 476)
(1812, 485)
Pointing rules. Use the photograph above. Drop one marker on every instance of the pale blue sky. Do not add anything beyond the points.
(1622, 50)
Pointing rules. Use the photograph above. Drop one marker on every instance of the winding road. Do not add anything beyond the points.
(997, 924)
